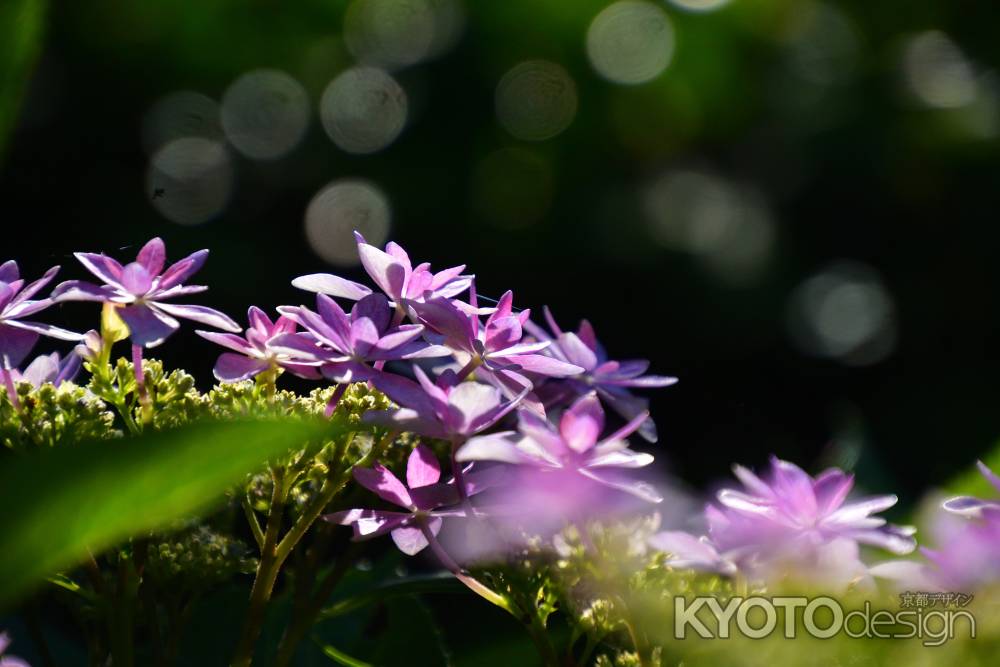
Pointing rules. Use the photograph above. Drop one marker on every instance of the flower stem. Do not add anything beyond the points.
(335, 397)
(8, 380)
(140, 383)
(275, 551)
(473, 584)
(267, 573)
(467, 370)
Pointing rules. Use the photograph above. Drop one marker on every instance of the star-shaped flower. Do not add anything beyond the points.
(254, 352)
(422, 498)
(448, 408)
(611, 379)
(142, 291)
(574, 446)
(18, 335)
(393, 272)
(346, 346)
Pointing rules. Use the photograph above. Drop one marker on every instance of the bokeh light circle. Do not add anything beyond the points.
(389, 33)
(699, 5)
(937, 71)
(363, 110)
(729, 228)
(536, 100)
(183, 113)
(630, 42)
(189, 180)
(844, 312)
(265, 114)
(339, 209)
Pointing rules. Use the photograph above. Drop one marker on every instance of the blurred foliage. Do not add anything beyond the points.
(22, 24)
(102, 491)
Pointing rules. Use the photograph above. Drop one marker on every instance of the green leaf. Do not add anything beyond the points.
(21, 26)
(340, 657)
(58, 504)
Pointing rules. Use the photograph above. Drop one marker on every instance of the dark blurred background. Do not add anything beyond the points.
(789, 204)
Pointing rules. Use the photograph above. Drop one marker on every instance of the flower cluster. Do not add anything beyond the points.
(790, 526)
(458, 371)
(507, 423)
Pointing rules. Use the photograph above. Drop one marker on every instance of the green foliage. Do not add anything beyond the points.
(196, 559)
(58, 505)
(21, 26)
(51, 416)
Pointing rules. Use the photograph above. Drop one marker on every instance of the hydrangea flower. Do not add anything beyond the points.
(611, 379)
(49, 368)
(967, 555)
(18, 335)
(142, 291)
(793, 506)
(574, 446)
(496, 348)
(975, 507)
(791, 527)
(688, 552)
(422, 498)
(253, 353)
(392, 271)
(345, 345)
(448, 409)
(9, 660)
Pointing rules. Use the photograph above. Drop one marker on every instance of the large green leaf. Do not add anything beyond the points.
(57, 504)
(21, 27)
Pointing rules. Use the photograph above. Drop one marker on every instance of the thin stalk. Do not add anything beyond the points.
(335, 397)
(251, 515)
(126, 412)
(276, 551)
(267, 573)
(8, 380)
(467, 370)
(543, 644)
(140, 383)
(306, 615)
(473, 584)
(588, 650)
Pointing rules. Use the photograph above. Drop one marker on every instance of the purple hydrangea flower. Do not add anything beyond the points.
(18, 335)
(967, 557)
(792, 506)
(974, 507)
(496, 348)
(49, 368)
(448, 409)
(968, 553)
(9, 660)
(254, 352)
(422, 498)
(142, 291)
(394, 274)
(791, 528)
(574, 447)
(345, 345)
(688, 552)
(611, 379)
